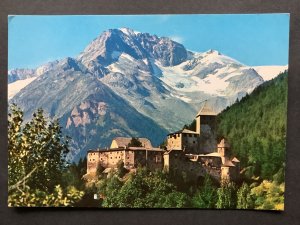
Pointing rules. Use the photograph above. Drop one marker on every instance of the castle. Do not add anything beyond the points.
(195, 153)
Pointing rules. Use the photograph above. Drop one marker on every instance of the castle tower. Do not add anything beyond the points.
(223, 148)
(205, 116)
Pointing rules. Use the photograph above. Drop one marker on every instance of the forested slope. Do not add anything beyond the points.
(256, 129)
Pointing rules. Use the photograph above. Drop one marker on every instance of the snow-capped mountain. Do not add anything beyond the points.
(131, 84)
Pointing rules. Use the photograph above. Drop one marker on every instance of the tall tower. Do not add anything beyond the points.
(205, 116)
(223, 148)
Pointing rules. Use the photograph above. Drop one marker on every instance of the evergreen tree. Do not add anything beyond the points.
(135, 142)
(244, 198)
(206, 195)
(226, 195)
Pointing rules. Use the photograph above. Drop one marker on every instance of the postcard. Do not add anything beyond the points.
(148, 111)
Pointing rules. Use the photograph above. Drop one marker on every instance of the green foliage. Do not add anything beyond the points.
(135, 142)
(16, 166)
(164, 144)
(121, 169)
(100, 170)
(206, 196)
(175, 199)
(109, 190)
(244, 198)
(36, 161)
(226, 195)
(191, 126)
(269, 195)
(141, 190)
(72, 176)
(256, 129)
(38, 198)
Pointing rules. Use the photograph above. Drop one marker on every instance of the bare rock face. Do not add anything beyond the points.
(166, 51)
(20, 74)
(102, 108)
(84, 105)
(85, 113)
(107, 48)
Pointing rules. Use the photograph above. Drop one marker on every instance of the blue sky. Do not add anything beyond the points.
(257, 39)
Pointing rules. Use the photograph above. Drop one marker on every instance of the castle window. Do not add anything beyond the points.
(127, 157)
(110, 157)
(101, 159)
(194, 142)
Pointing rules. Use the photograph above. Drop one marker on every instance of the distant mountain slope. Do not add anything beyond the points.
(256, 128)
(91, 113)
(18, 85)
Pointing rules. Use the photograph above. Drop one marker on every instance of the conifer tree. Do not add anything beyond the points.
(244, 198)
(226, 195)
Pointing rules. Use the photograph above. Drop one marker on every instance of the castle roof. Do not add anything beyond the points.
(125, 149)
(225, 162)
(213, 154)
(148, 149)
(235, 160)
(184, 131)
(124, 141)
(223, 144)
(206, 110)
(228, 163)
(179, 151)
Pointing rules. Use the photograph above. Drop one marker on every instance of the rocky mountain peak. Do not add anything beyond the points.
(70, 64)
(20, 74)
(212, 51)
(129, 31)
(106, 49)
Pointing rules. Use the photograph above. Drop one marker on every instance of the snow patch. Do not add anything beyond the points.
(129, 31)
(17, 86)
(269, 72)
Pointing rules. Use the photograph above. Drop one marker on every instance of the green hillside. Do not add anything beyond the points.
(256, 129)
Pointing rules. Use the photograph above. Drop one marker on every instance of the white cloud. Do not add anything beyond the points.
(177, 38)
